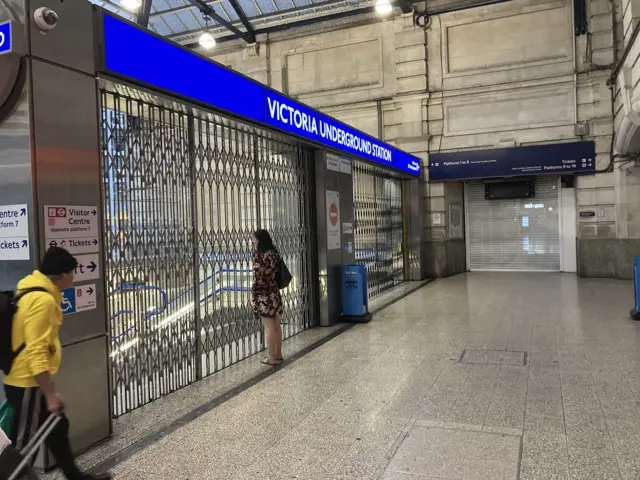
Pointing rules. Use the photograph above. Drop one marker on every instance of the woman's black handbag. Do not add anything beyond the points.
(283, 275)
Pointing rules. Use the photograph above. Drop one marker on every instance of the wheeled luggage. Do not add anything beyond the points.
(23, 459)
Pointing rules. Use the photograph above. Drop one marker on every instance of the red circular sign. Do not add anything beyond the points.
(333, 214)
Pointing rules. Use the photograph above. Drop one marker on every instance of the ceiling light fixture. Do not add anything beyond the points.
(383, 7)
(207, 41)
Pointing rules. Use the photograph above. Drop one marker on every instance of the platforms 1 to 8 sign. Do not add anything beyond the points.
(74, 228)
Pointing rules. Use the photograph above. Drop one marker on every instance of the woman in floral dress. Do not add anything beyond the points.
(267, 301)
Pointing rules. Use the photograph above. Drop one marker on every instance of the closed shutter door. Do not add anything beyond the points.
(517, 234)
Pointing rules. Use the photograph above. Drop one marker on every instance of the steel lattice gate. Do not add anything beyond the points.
(184, 190)
(378, 227)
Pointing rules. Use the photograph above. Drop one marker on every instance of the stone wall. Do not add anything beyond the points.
(626, 176)
(511, 74)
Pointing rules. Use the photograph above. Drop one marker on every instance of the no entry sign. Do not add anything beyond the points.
(333, 220)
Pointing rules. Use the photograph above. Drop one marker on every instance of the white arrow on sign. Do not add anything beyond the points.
(1, 39)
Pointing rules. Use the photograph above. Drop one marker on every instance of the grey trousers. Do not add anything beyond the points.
(10, 458)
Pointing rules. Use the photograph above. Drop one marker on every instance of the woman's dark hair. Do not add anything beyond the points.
(264, 241)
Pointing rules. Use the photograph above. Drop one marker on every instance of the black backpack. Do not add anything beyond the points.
(8, 308)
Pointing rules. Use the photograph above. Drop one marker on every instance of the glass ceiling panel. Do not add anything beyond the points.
(181, 21)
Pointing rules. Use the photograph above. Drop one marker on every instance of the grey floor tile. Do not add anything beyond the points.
(471, 406)
(543, 356)
(544, 409)
(138, 476)
(541, 472)
(590, 472)
(508, 399)
(440, 399)
(407, 476)
(545, 451)
(457, 454)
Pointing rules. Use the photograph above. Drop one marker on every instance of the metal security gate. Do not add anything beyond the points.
(521, 234)
(378, 227)
(184, 190)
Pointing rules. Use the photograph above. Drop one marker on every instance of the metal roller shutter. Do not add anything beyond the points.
(517, 234)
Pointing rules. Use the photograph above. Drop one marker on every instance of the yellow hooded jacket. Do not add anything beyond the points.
(36, 325)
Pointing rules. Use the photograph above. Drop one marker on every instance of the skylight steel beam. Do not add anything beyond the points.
(208, 11)
(243, 18)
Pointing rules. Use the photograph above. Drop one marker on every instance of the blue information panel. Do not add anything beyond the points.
(155, 62)
(5, 38)
(555, 159)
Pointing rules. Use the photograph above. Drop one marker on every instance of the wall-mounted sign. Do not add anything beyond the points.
(347, 228)
(12, 38)
(436, 219)
(333, 163)
(455, 221)
(72, 227)
(14, 232)
(88, 267)
(5, 38)
(588, 214)
(78, 299)
(345, 166)
(333, 220)
(554, 159)
(132, 53)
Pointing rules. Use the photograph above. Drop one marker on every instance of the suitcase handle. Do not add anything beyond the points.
(35, 442)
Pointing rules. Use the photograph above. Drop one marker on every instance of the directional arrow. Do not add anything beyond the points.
(94, 213)
(25, 244)
(92, 266)
(95, 242)
(23, 212)
(90, 291)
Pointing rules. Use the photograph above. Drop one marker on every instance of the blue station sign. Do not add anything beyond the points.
(555, 159)
(152, 61)
(6, 43)
(293, 117)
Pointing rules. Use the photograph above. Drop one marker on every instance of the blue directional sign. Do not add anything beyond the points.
(5, 38)
(139, 55)
(554, 159)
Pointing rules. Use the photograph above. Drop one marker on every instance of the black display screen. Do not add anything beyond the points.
(501, 190)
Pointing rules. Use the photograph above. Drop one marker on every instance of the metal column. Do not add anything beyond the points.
(53, 150)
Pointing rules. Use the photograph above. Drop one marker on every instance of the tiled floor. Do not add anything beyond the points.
(400, 399)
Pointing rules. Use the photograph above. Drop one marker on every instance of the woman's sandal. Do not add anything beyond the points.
(266, 361)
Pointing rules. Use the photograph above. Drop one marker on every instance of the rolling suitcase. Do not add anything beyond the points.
(28, 452)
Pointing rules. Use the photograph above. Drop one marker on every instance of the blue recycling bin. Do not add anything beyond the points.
(355, 301)
(635, 313)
